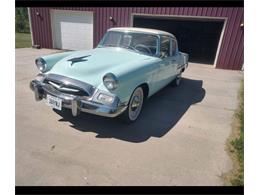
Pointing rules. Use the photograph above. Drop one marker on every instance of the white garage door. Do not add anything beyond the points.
(72, 30)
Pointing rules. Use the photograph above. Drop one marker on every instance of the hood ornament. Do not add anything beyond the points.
(78, 59)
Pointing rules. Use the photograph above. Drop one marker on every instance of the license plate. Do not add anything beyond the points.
(54, 102)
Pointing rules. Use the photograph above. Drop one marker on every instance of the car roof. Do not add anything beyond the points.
(144, 30)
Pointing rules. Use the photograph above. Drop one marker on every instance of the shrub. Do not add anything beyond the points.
(21, 20)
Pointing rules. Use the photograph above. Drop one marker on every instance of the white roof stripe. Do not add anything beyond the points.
(145, 30)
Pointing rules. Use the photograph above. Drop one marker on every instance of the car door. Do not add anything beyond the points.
(167, 66)
(174, 59)
(167, 63)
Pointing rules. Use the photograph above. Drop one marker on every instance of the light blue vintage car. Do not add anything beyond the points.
(128, 65)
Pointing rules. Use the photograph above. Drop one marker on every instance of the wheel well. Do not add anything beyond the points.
(145, 88)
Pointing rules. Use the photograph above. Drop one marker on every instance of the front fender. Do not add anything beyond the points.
(52, 59)
(131, 79)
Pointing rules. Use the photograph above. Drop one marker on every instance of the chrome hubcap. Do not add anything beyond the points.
(136, 102)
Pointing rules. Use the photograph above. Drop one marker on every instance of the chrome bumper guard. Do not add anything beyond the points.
(78, 104)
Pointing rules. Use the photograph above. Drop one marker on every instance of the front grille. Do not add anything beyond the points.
(66, 88)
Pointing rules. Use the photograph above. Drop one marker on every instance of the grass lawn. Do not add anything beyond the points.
(236, 144)
(23, 40)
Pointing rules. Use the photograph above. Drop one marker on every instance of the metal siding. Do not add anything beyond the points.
(239, 57)
(180, 11)
(228, 38)
(235, 41)
(214, 11)
(168, 10)
(240, 47)
(126, 20)
(230, 53)
(99, 25)
(209, 11)
(204, 11)
(227, 58)
(233, 31)
(199, 13)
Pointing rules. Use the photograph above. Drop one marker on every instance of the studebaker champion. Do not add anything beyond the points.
(128, 65)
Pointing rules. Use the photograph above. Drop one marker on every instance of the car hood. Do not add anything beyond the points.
(90, 66)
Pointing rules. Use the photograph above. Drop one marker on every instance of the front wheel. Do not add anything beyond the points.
(135, 106)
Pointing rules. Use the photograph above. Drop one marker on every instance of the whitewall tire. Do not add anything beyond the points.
(135, 106)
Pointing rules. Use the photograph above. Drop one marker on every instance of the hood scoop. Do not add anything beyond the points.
(78, 59)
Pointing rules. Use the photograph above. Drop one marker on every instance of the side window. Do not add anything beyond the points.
(165, 46)
(174, 47)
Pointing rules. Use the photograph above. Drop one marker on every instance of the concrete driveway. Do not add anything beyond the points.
(179, 139)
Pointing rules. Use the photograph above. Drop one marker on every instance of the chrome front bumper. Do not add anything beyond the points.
(78, 104)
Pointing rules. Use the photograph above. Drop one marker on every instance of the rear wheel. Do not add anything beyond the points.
(176, 82)
(135, 106)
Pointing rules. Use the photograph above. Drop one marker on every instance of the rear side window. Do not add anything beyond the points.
(174, 47)
(165, 46)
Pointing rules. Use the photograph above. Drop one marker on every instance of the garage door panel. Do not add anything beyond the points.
(72, 30)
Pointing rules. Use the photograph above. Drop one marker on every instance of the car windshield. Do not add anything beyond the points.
(139, 42)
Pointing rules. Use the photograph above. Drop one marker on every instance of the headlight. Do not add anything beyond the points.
(110, 81)
(105, 98)
(41, 64)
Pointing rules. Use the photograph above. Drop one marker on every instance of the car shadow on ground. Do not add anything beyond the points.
(160, 114)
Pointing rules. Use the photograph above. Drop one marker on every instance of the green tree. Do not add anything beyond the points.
(21, 20)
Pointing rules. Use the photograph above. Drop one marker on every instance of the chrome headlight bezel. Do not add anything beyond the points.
(41, 64)
(110, 81)
(40, 77)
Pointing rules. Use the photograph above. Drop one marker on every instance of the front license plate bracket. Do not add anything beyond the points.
(54, 102)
